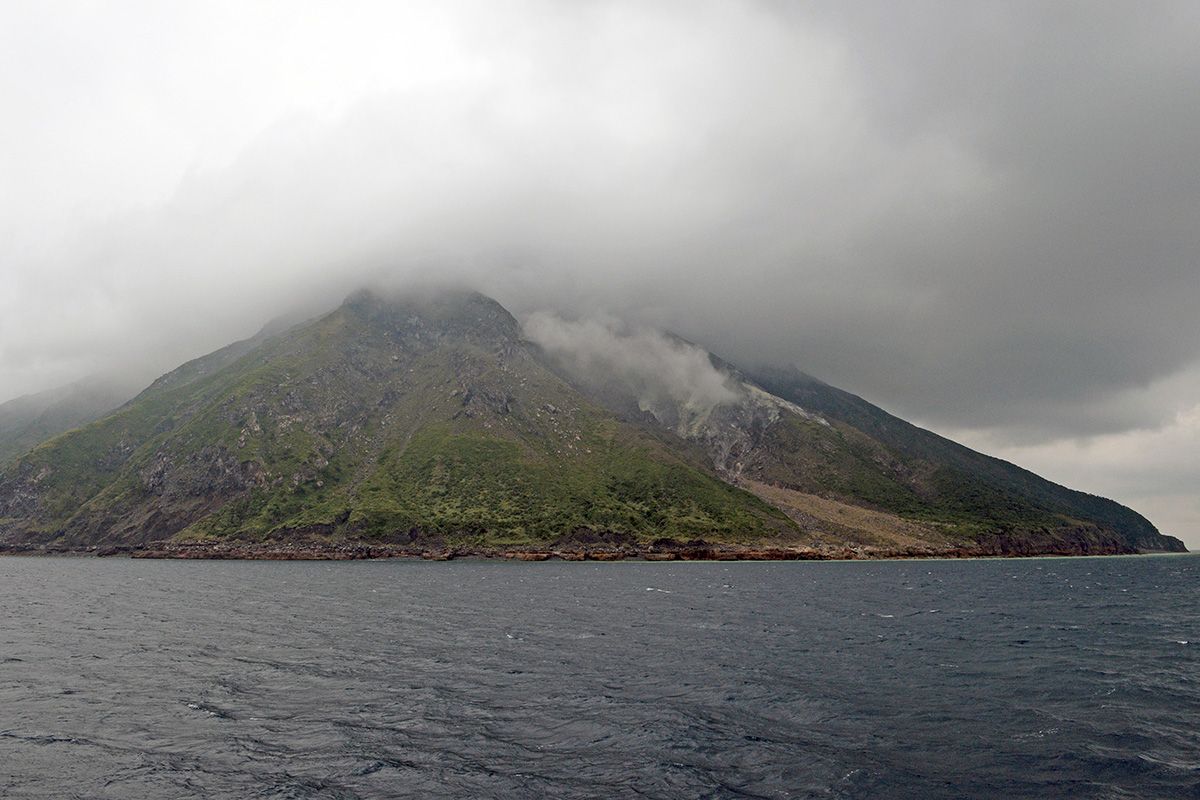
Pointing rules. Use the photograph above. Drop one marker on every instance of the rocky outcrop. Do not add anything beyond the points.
(211, 471)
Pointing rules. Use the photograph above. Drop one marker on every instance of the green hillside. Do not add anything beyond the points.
(420, 419)
(428, 420)
(848, 473)
(29, 420)
(921, 475)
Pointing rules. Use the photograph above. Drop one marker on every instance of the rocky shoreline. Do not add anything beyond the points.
(694, 551)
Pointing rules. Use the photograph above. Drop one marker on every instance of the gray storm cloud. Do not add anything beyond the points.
(980, 215)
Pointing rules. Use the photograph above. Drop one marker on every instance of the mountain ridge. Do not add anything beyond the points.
(354, 426)
(921, 443)
(30, 419)
(429, 421)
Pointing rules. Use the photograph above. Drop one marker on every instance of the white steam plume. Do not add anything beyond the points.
(669, 378)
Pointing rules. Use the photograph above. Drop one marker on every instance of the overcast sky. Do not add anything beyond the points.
(983, 216)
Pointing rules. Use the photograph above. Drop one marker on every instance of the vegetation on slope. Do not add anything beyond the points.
(430, 420)
(27, 421)
(947, 482)
(383, 420)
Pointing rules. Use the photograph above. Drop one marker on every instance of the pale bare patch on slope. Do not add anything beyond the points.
(830, 522)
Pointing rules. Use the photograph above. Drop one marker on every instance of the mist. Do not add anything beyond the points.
(661, 373)
(981, 217)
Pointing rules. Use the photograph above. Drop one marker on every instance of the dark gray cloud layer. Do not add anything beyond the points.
(1072, 276)
(981, 215)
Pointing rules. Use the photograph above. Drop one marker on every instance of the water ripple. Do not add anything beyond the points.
(1006, 679)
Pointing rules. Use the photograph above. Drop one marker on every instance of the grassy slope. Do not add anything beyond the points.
(29, 420)
(434, 420)
(923, 476)
(375, 421)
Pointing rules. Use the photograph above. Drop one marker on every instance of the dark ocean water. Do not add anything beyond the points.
(1029, 678)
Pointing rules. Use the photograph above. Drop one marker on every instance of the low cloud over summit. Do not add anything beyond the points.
(981, 217)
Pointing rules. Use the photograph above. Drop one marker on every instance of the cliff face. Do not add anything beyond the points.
(430, 420)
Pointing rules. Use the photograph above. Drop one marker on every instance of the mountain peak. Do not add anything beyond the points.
(449, 311)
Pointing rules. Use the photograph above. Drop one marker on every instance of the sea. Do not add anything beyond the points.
(1026, 678)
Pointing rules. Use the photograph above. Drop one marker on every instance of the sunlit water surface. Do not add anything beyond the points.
(1027, 678)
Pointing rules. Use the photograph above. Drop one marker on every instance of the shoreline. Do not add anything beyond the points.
(226, 551)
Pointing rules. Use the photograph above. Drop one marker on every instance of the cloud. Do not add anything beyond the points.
(664, 375)
(544, 155)
(982, 216)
